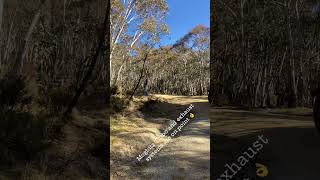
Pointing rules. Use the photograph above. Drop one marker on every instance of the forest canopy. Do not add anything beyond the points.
(265, 54)
(138, 65)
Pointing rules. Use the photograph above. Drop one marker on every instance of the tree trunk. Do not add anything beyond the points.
(145, 91)
(100, 48)
(264, 85)
(256, 100)
(140, 78)
(211, 86)
(1, 13)
(21, 49)
(119, 72)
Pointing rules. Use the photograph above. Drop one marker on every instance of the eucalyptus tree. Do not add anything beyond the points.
(101, 48)
(195, 49)
(266, 53)
(132, 21)
(1, 12)
(181, 68)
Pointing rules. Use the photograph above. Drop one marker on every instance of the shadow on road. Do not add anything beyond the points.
(292, 149)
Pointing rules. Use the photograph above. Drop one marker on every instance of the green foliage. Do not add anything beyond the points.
(148, 15)
(181, 69)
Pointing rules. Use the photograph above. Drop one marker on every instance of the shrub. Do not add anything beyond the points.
(118, 104)
(22, 136)
(99, 149)
(273, 100)
(116, 90)
(58, 99)
(151, 105)
(221, 100)
(13, 91)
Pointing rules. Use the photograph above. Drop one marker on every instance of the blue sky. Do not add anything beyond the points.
(183, 16)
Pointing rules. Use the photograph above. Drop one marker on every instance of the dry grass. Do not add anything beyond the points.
(71, 156)
(139, 125)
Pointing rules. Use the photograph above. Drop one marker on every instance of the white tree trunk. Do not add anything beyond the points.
(22, 50)
(1, 13)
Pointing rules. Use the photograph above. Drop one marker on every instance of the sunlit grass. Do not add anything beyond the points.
(122, 124)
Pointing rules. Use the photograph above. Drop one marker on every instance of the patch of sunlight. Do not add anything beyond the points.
(122, 124)
(182, 99)
(114, 140)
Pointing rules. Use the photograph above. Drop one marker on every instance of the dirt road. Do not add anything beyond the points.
(293, 145)
(187, 156)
